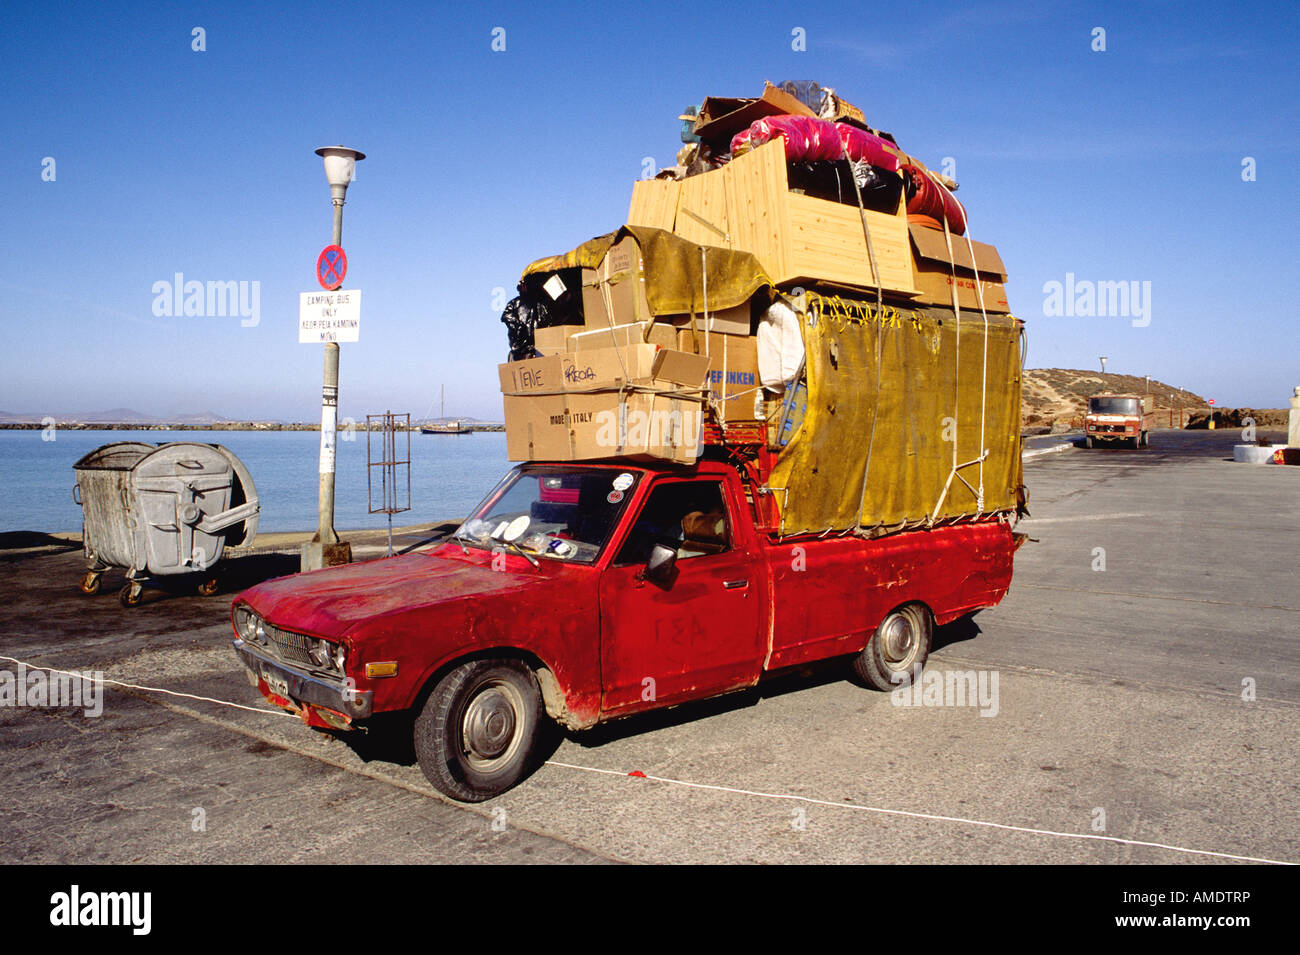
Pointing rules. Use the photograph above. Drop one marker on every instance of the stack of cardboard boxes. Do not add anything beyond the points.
(626, 382)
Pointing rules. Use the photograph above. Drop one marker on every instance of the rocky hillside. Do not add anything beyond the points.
(1055, 399)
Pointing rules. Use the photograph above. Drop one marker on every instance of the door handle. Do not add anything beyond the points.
(734, 584)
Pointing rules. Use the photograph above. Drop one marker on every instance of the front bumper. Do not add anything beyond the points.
(302, 691)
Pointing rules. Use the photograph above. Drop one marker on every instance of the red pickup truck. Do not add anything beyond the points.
(588, 592)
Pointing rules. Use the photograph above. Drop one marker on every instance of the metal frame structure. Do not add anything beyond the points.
(389, 463)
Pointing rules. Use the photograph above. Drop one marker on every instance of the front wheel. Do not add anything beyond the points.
(897, 649)
(1088, 442)
(478, 732)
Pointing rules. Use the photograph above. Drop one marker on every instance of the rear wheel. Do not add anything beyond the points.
(477, 734)
(900, 645)
(1088, 442)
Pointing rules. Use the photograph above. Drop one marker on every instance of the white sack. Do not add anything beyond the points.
(780, 347)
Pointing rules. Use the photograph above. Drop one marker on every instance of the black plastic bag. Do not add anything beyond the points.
(524, 313)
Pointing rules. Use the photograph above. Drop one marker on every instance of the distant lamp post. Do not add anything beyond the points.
(325, 549)
(1103, 364)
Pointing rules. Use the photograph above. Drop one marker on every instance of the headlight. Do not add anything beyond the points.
(320, 653)
(259, 631)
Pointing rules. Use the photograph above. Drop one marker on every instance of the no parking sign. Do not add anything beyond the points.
(331, 267)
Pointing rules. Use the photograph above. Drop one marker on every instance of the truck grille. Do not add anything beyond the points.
(290, 647)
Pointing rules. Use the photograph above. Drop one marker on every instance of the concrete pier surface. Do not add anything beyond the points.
(1144, 701)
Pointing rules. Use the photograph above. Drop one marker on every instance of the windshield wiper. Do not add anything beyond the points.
(522, 553)
(460, 539)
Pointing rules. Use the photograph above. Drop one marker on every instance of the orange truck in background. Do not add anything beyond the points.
(1118, 418)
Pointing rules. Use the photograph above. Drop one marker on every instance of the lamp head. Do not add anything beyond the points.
(340, 166)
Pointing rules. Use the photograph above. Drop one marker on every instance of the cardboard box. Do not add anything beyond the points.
(555, 339)
(932, 271)
(721, 117)
(733, 372)
(728, 321)
(603, 425)
(581, 424)
(578, 371)
(934, 287)
(617, 286)
(621, 336)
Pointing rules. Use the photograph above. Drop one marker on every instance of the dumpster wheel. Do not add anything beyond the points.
(90, 583)
(208, 587)
(131, 594)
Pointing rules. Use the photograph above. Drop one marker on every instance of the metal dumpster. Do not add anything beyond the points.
(162, 511)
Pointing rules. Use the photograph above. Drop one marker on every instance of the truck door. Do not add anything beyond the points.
(702, 633)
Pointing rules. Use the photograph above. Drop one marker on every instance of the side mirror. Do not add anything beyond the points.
(659, 568)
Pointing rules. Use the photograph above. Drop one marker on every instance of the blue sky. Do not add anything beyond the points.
(1122, 165)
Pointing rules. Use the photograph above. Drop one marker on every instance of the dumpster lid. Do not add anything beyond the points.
(118, 456)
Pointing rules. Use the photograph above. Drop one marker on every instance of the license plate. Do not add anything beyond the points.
(278, 685)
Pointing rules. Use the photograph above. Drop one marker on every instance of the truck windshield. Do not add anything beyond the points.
(563, 514)
(1113, 406)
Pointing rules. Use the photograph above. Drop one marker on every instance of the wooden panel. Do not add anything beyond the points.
(704, 197)
(827, 243)
(654, 203)
(760, 221)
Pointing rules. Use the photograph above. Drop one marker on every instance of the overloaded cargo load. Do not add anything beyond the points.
(828, 320)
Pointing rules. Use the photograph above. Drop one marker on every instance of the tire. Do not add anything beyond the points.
(131, 594)
(1088, 442)
(90, 584)
(477, 734)
(901, 642)
(1137, 442)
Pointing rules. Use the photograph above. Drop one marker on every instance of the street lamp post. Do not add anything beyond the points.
(325, 549)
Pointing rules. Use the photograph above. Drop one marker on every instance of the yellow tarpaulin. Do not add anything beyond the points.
(675, 270)
(878, 450)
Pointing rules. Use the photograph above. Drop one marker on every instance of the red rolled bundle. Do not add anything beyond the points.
(806, 138)
(932, 199)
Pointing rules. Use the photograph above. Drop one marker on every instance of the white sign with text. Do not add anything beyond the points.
(329, 316)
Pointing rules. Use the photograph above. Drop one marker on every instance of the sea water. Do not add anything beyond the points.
(450, 474)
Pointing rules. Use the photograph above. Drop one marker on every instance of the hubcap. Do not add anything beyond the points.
(490, 720)
(899, 640)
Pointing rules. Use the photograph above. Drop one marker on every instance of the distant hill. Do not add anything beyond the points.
(1055, 399)
(111, 416)
(1054, 394)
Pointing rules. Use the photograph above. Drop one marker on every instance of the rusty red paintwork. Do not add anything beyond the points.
(602, 631)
